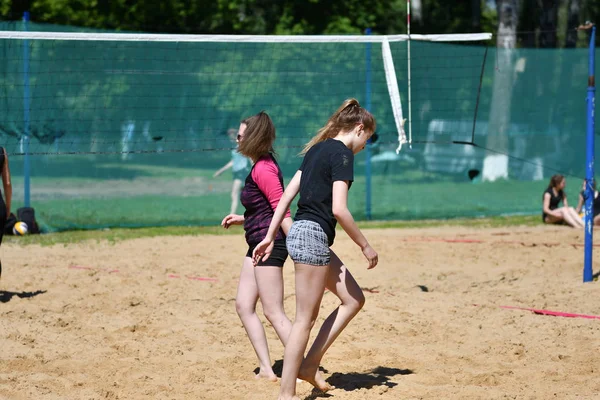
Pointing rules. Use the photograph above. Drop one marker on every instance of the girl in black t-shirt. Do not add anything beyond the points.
(323, 181)
(553, 196)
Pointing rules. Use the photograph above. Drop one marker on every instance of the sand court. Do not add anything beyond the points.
(155, 318)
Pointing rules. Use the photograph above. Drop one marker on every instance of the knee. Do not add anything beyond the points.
(361, 301)
(356, 303)
(273, 314)
(306, 323)
(243, 309)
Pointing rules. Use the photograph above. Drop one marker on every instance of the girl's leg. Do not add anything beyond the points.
(575, 217)
(245, 305)
(269, 281)
(341, 283)
(235, 194)
(572, 220)
(551, 219)
(310, 285)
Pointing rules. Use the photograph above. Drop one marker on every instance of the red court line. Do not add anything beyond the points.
(552, 313)
(479, 241)
(548, 312)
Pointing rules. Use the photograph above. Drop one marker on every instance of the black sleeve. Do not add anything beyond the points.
(342, 166)
(303, 164)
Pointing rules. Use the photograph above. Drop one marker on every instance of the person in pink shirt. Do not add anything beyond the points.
(260, 196)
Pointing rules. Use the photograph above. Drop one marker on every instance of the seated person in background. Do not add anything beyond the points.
(595, 206)
(551, 212)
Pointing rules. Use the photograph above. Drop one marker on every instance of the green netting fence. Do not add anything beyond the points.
(129, 134)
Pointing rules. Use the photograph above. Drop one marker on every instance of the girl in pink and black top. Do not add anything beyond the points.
(260, 197)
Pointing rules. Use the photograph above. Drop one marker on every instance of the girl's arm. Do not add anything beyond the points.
(546, 206)
(264, 248)
(223, 169)
(284, 204)
(344, 217)
(232, 219)
(579, 204)
(286, 224)
(266, 175)
(6, 183)
(565, 202)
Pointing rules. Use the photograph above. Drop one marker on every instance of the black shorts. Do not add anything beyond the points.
(277, 257)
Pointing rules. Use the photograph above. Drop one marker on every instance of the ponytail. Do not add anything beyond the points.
(345, 118)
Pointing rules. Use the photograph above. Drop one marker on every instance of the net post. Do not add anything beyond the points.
(26, 117)
(588, 275)
(368, 147)
(408, 61)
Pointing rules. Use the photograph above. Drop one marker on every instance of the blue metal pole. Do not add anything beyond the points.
(26, 106)
(588, 275)
(368, 107)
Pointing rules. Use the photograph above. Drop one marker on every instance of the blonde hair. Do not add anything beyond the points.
(258, 137)
(344, 119)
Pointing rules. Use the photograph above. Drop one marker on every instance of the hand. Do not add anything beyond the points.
(371, 256)
(216, 174)
(232, 219)
(262, 251)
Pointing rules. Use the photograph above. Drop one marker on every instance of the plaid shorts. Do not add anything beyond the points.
(307, 243)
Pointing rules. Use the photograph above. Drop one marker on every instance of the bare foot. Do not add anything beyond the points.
(268, 375)
(312, 375)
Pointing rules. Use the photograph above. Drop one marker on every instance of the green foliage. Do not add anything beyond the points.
(267, 17)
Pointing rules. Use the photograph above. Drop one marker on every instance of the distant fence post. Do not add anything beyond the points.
(588, 274)
(368, 147)
(26, 117)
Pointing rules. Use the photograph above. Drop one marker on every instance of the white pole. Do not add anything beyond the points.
(409, 89)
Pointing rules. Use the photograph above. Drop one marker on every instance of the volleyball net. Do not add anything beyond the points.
(121, 129)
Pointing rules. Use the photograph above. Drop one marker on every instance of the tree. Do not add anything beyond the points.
(495, 166)
(476, 15)
(573, 22)
(548, 22)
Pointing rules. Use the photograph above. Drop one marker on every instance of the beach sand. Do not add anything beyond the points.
(154, 318)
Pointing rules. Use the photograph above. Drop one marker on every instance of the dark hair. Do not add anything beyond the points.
(555, 180)
(345, 118)
(259, 136)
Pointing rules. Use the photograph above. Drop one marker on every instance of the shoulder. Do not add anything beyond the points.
(339, 147)
(318, 147)
(265, 164)
(341, 153)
